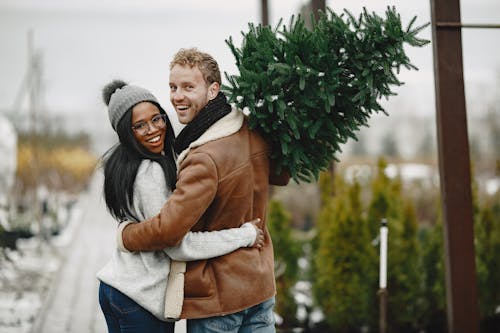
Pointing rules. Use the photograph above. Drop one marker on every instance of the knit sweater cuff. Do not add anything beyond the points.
(119, 236)
(252, 233)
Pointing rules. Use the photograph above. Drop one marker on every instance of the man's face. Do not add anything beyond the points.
(189, 92)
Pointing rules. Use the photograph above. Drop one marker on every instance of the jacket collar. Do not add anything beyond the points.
(226, 126)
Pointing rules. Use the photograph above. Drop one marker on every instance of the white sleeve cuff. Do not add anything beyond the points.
(252, 233)
(119, 234)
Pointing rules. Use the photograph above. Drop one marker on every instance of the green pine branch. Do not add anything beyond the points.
(310, 90)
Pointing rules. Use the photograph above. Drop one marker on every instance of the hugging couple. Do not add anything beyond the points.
(192, 240)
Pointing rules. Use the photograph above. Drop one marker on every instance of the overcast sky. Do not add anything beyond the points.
(85, 44)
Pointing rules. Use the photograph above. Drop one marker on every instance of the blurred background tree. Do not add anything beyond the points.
(388, 203)
(53, 167)
(342, 261)
(286, 256)
(64, 162)
(344, 272)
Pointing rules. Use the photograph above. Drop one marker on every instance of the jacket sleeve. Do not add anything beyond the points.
(195, 189)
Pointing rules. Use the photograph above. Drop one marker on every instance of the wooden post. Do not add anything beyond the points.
(317, 5)
(454, 167)
(264, 12)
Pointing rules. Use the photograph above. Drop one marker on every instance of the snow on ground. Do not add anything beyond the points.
(26, 275)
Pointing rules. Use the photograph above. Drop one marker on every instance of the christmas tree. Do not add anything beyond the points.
(309, 90)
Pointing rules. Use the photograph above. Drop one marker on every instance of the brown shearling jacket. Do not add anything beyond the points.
(223, 181)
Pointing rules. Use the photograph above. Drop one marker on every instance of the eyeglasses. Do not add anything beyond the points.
(142, 127)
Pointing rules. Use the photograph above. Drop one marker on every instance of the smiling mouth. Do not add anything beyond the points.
(182, 107)
(154, 139)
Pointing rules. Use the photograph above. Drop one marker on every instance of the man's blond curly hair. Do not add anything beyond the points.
(205, 62)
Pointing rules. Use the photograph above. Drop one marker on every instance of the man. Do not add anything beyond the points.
(223, 180)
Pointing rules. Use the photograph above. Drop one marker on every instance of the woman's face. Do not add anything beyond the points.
(149, 126)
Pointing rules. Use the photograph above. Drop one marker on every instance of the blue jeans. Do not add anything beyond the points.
(123, 315)
(256, 319)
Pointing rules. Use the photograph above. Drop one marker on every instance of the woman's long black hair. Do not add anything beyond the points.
(122, 162)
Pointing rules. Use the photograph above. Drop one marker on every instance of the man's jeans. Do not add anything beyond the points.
(124, 315)
(257, 319)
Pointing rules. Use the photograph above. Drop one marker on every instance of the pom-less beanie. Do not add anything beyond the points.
(125, 98)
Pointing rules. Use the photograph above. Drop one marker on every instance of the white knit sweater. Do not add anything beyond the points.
(142, 276)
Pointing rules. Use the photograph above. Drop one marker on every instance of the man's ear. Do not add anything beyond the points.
(213, 90)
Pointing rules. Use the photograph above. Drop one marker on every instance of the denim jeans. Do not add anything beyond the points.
(123, 315)
(256, 319)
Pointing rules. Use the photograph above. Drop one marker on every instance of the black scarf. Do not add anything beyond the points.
(213, 111)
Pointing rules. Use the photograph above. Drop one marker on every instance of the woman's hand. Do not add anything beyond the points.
(259, 240)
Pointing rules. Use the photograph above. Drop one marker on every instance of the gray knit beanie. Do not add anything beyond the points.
(125, 98)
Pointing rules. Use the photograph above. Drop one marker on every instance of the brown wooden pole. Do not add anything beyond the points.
(382, 320)
(454, 167)
(317, 5)
(467, 25)
(264, 10)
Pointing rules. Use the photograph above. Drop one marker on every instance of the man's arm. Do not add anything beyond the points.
(195, 189)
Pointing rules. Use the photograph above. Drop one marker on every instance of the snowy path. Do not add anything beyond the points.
(71, 305)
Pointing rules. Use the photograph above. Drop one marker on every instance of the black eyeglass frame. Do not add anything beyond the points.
(143, 127)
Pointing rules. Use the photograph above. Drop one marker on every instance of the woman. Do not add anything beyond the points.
(139, 174)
